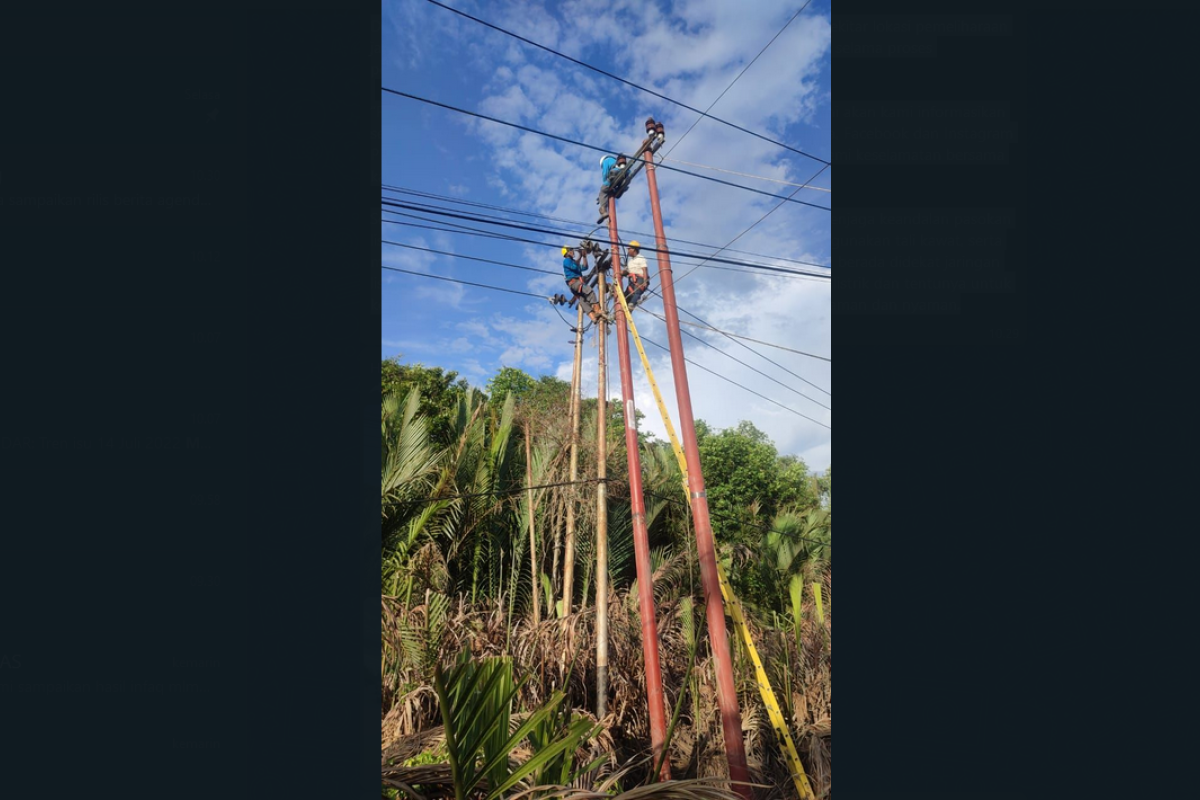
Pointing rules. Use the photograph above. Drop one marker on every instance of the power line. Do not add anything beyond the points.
(450, 230)
(496, 493)
(748, 339)
(760, 219)
(747, 175)
(606, 150)
(740, 386)
(488, 261)
(735, 80)
(747, 366)
(631, 83)
(467, 283)
(458, 201)
(491, 219)
(469, 231)
(445, 213)
(470, 258)
(656, 344)
(752, 350)
(731, 336)
(461, 228)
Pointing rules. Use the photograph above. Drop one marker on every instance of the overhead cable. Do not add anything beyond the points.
(467, 231)
(631, 83)
(496, 493)
(648, 234)
(606, 150)
(752, 350)
(469, 258)
(467, 283)
(747, 338)
(748, 175)
(760, 219)
(747, 366)
(740, 386)
(735, 80)
(443, 213)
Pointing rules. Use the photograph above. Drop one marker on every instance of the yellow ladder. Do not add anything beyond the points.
(731, 601)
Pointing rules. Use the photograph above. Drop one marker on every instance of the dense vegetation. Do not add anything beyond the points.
(471, 598)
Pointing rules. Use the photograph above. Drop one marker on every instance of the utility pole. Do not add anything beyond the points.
(601, 517)
(641, 537)
(731, 718)
(533, 570)
(569, 545)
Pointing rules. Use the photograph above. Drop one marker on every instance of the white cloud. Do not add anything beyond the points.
(690, 52)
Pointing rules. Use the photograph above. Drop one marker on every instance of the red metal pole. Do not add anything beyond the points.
(731, 718)
(641, 537)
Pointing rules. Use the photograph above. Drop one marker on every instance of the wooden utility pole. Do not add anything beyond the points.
(731, 719)
(641, 537)
(602, 513)
(569, 545)
(533, 570)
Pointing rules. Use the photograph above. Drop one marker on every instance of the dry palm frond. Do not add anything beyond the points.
(559, 654)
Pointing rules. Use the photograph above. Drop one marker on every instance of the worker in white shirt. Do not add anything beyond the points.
(636, 272)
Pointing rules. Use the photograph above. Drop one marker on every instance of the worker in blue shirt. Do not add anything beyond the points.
(612, 168)
(573, 271)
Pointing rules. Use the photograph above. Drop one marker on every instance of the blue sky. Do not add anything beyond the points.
(689, 51)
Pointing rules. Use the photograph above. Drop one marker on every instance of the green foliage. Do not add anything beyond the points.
(793, 554)
(476, 698)
(440, 392)
(825, 487)
(509, 380)
(748, 483)
(435, 756)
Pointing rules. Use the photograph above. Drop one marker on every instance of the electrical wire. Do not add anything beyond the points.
(740, 386)
(744, 364)
(467, 283)
(749, 264)
(631, 83)
(760, 219)
(490, 261)
(735, 80)
(651, 313)
(606, 150)
(748, 175)
(469, 258)
(496, 493)
(747, 366)
(648, 234)
(476, 232)
(488, 219)
(747, 338)
(656, 344)
(751, 349)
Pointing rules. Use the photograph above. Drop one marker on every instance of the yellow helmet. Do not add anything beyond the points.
(635, 243)
(565, 251)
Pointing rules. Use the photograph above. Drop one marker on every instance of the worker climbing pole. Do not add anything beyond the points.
(641, 537)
